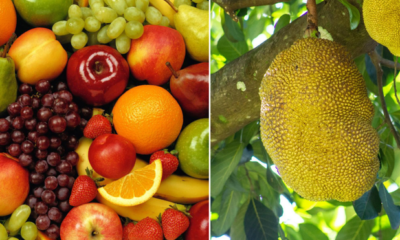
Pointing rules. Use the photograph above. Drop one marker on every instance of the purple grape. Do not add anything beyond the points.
(5, 139)
(82, 124)
(51, 172)
(47, 100)
(73, 107)
(66, 95)
(43, 142)
(43, 86)
(57, 124)
(44, 114)
(64, 167)
(32, 136)
(61, 150)
(27, 146)
(30, 124)
(55, 142)
(4, 125)
(48, 196)
(63, 193)
(25, 89)
(72, 157)
(61, 86)
(41, 208)
(17, 136)
(42, 128)
(64, 206)
(40, 154)
(25, 159)
(86, 113)
(42, 222)
(14, 109)
(25, 100)
(14, 149)
(53, 231)
(26, 112)
(53, 159)
(18, 123)
(41, 166)
(51, 183)
(60, 106)
(73, 119)
(72, 142)
(37, 192)
(31, 201)
(36, 178)
(54, 214)
(71, 182)
(35, 103)
(63, 180)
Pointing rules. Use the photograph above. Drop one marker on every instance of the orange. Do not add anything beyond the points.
(134, 188)
(8, 20)
(149, 116)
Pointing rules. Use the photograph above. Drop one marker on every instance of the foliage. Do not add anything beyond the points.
(249, 199)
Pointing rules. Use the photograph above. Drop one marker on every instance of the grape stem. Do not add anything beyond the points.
(172, 5)
(176, 74)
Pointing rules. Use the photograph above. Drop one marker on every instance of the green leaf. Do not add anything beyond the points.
(259, 150)
(275, 181)
(283, 21)
(260, 222)
(223, 164)
(354, 14)
(396, 196)
(231, 29)
(311, 232)
(231, 50)
(237, 228)
(386, 153)
(368, 206)
(249, 131)
(391, 210)
(356, 229)
(227, 213)
(292, 234)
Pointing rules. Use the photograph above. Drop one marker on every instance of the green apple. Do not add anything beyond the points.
(42, 13)
(192, 147)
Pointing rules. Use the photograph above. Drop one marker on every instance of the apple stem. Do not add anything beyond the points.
(172, 5)
(172, 70)
(8, 45)
(98, 67)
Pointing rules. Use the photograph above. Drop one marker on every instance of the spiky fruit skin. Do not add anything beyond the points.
(169, 162)
(83, 191)
(96, 126)
(146, 229)
(381, 18)
(316, 122)
(174, 223)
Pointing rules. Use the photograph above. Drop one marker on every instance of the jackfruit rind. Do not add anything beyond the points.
(382, 21)
(316, 122)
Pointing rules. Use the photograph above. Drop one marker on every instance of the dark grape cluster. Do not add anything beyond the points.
(42, 130)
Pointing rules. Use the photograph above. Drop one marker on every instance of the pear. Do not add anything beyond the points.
(8, 81)
(192, 23)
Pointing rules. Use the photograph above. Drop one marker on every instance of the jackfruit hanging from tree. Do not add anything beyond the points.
(382, 18)
(316, 122)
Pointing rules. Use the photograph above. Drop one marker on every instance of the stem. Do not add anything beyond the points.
(172, 5)
(379, 73)
(251, 183)
(98, 67)
(176, 75)
(394, 81)
(312, 18)
(8, 45)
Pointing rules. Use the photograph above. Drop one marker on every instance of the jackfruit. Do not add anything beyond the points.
(382, 18)
(316, 122)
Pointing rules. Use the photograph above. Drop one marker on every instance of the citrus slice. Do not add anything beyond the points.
(135, 187)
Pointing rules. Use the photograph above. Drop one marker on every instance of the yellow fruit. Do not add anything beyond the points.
(134, 188)
(381, 18)
(316, 122)
(151, 208)
(165, 9)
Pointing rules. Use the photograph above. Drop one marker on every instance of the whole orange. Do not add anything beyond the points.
(149, 116)
(8, 18)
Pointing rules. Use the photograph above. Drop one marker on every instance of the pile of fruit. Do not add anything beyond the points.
(104, 119)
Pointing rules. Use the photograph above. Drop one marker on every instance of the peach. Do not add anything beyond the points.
(38, 55)
(14, 182)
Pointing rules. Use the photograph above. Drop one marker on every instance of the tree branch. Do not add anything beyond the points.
(379, 73)
(312, 19)
(240, 108)
(388, 63)
(230, 6)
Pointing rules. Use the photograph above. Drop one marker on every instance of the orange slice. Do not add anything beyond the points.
(134, 188)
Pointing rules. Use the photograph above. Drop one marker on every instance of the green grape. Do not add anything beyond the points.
(13, 238)
(91, 2)
(130, 3)
(123, 43)
(153, 16)
(19, 217)
(177, 3)
(92, 24)
(106, 14)
(29, 231)
(102, 35)
(86, 12)
(3, 232)
(118, 5)
(60, 28)
(92, 39)
(197, 1)
(134, 29)
(64, 39)
(75, 25)
(203, 5)
(74, 11)
(79, 40)
(142, 4)
(164, 21)
(116, 27)
(107, 2)
(96, 7)
(134, 14)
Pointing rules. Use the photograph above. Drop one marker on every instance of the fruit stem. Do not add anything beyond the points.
(172, 70)
(172, 5)
(312, 19)
(8, 45)
(98, 67)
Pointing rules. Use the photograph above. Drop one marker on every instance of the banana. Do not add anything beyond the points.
(151, 208)
(177, 189)
(165, 9)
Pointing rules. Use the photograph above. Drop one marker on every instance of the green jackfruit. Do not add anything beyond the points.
(382, 18)
(316, 122)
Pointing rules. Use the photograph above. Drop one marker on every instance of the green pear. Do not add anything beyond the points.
(8, 82)
(192, 23)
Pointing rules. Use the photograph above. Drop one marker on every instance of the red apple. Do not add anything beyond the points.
(112, 156)
(97, 74)
(199, 223)
(91, 221)
(190, 87)
(14, 182)
(150, 52)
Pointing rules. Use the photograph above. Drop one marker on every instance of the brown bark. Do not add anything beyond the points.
(242, 107)
(312, 18)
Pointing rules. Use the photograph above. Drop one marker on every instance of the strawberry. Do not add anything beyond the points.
(96, 126)
(146, 229)
(174, 223)
(169, 161)
(84, 189)
(128, 228)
